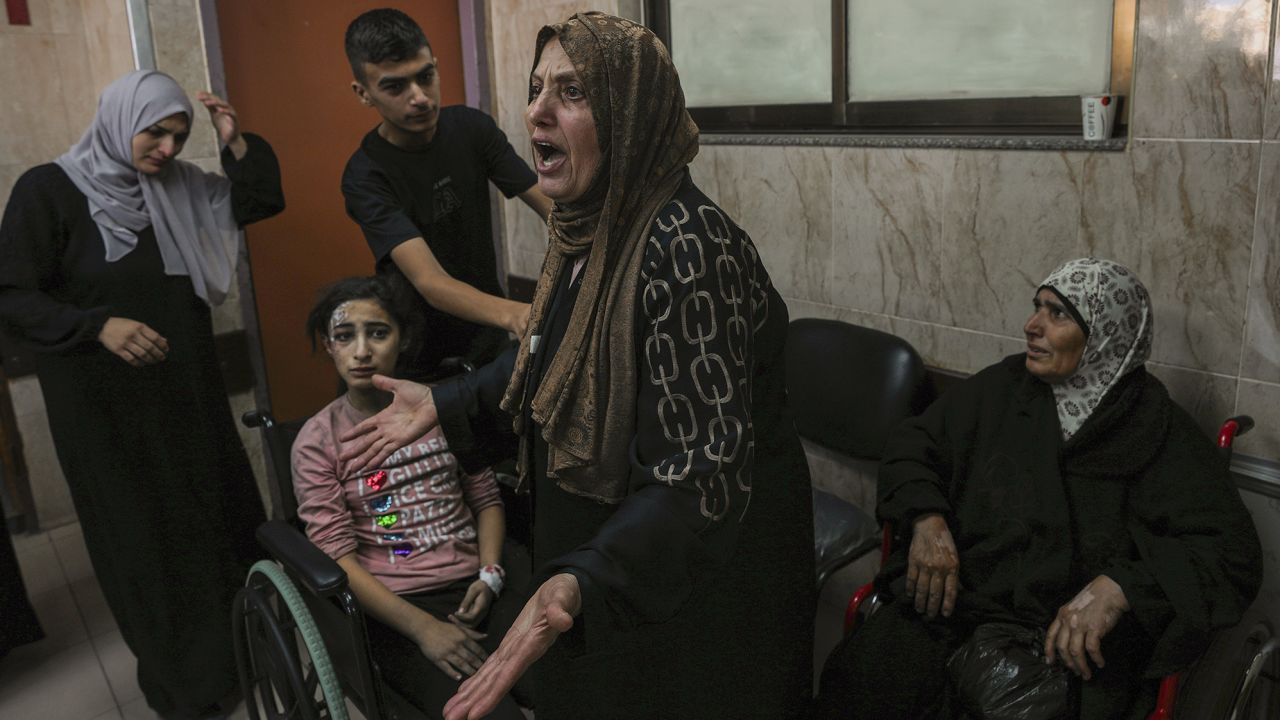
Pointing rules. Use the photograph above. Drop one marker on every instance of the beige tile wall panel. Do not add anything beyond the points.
(1180, 214)
(887, 254)
(703, 169)
(34, 113)
(179, 46)
(1262, 401)
(47, 17)
(1208, 398)
(107, 39)
(1009, 219)
(1271, 114)
(782, 197)
(1200, 68)
(1262, 326)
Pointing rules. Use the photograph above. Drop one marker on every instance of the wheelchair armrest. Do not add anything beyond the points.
(865, 594)
(307, 563)
(257, 419)
(1165, 698)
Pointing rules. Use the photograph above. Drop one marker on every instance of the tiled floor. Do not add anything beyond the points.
(83, 670)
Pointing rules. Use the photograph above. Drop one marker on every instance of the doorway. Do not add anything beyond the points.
(288, 78)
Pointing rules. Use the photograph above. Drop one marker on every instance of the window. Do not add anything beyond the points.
(915, 66)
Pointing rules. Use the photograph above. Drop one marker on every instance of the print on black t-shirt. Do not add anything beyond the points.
(446, 200)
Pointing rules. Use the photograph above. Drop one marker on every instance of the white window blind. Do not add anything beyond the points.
(948, 49)
(752, 52)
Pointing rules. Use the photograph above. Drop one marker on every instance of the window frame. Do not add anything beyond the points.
(1058, 115)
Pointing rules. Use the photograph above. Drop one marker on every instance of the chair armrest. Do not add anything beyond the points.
(842, 533)
(864, 594)
(1164, 699)
(305, 562)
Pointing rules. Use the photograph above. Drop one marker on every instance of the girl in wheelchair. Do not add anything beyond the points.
(419, 539)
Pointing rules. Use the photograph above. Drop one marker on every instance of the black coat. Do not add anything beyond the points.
(1138, 494)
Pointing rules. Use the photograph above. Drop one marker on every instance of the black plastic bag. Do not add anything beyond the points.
(1000, 674)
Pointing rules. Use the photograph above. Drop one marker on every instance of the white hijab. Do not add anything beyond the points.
(1113, 308)
(190, 210)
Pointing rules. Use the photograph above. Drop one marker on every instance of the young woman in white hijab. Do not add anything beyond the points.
(110, 259)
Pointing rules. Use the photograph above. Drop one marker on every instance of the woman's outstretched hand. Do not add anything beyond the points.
(412, 413)
(933, 567)
(225, 122)
(548, 613)
(1082, 623)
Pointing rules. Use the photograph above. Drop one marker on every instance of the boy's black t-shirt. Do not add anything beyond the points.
(439, 193)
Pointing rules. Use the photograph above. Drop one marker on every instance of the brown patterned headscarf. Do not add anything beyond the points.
(585, 404)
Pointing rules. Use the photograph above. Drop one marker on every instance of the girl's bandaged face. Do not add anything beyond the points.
(363, 341)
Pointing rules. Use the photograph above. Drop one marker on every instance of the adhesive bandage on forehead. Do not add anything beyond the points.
(339, 316)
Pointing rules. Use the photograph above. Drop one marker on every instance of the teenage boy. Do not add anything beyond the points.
(418, 188)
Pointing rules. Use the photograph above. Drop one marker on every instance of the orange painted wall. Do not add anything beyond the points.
(288, 78)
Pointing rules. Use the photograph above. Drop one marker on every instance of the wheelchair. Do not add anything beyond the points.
(1263, 647)
(301, 644)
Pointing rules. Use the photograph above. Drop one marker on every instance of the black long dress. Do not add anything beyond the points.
(161, 483)
(682, 617)
(20, 626)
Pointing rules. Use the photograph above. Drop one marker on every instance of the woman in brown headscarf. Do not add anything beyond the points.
(672, 515)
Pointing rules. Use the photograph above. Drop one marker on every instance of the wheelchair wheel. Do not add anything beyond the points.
(285, 671)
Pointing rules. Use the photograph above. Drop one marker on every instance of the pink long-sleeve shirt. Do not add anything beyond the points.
(411, 523)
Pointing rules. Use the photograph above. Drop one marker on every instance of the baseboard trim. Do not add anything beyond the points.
(1256, 475)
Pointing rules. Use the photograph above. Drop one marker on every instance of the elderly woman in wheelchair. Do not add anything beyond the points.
(419, 539)
(1067, 534)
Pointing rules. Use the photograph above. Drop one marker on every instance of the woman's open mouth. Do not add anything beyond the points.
(548, 156)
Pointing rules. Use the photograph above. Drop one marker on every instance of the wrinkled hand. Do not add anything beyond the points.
(475, 604)
(1082, 623)
(451, 647)
(411, 414)
(225, 121)
(933, 566)
(548, 613)
(133, 341)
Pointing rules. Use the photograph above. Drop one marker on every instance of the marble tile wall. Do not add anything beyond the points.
(51, 72)
(1199, 69)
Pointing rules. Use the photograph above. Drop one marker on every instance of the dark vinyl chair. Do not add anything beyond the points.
(849, 387)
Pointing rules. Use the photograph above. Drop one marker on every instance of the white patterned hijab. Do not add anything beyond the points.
(1113, 308)
(189, 209)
